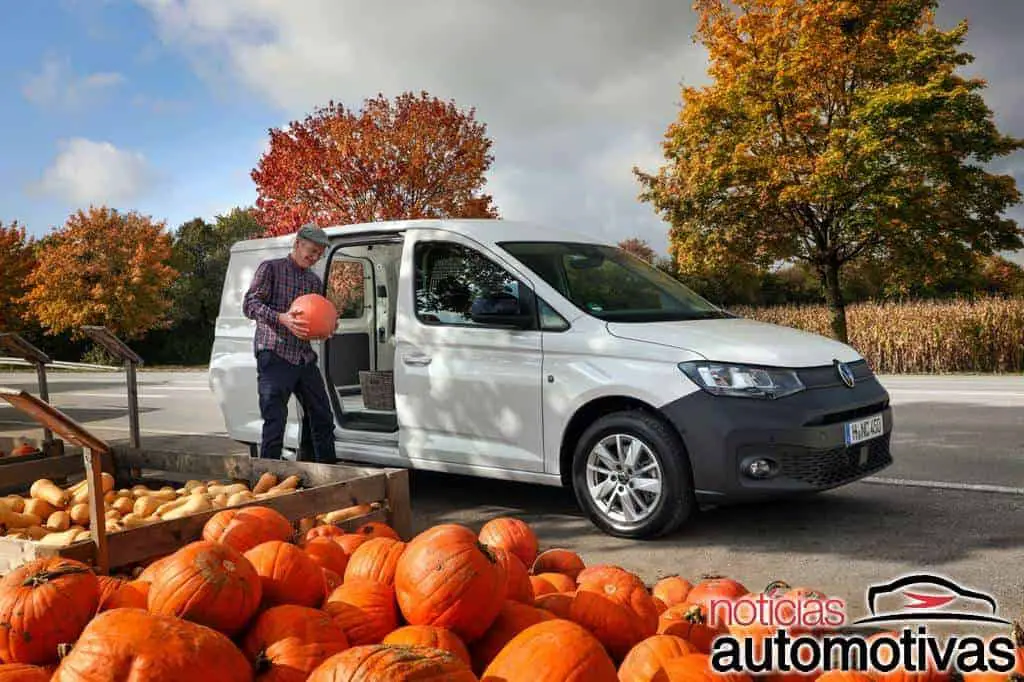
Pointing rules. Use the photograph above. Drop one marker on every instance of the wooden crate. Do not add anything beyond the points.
(325, 487)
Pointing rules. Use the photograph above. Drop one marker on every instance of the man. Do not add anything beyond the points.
(285, 361)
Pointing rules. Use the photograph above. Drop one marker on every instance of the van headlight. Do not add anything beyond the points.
(742, 381)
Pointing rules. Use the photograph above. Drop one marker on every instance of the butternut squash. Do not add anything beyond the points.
(37, 532)
(288, 484)
(45, 489)
(125, 505)
(15, 503)
(82, 493)
(174, 504)
(80, 514)
(339, 515)
(194, 504)
(265, 483)
(40, 508)
(62, 538)
(227, 489)
(133, 520)
(239, 498)
(59, 521)
(199, 490)
(13, 519)
(146, 506)
(160, 495)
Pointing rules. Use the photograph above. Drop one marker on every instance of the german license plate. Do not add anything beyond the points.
(864, 429)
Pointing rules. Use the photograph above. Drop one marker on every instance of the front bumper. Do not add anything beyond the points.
(804, 434)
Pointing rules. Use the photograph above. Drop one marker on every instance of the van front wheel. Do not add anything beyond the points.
(631, 476)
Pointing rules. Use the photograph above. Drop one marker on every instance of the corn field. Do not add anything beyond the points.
(921, 337)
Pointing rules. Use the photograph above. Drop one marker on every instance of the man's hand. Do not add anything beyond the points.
(295, 324)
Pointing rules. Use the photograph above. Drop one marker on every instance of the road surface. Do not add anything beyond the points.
(953, 501)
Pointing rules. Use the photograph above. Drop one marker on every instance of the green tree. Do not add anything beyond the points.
(832, 132)
(200, 252)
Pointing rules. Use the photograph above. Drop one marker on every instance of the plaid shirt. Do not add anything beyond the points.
(278, 282)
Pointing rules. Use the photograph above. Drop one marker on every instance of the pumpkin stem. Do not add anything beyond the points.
(64, 649)
(43, 577)
(262, 662)
(487, 552)
(777, 586)
(695, 614)
(1018, 633)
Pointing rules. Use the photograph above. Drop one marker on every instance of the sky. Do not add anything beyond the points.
(164, 106)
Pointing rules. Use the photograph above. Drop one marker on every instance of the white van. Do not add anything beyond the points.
(521, 352)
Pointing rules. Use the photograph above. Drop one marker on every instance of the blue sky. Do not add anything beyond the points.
(163, 106)
(84, 75)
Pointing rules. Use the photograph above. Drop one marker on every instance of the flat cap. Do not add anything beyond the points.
(314, 234)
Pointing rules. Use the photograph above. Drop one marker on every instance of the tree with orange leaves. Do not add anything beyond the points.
(103, 268)
(639, 248)
(832, 133)
(416, 157)
(16, 263)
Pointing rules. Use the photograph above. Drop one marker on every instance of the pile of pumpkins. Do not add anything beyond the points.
(21, 450)
(56, 516)
(255, 599)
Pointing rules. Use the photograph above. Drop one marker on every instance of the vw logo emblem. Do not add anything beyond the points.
(845, 373)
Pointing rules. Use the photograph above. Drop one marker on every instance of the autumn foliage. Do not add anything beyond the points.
(16, 263)
(833, 132)
(103, 268)
(415, 157)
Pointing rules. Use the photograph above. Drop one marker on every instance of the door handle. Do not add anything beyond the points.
(416, 359)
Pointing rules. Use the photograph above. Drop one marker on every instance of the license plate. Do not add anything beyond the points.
(864, 429)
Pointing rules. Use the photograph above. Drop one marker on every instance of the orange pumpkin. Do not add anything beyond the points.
(648, 658)
(377, 529)
(542, 587)
(552, 651)
(518, 585)
(364, 609)
(22, 672)
(332, 580)
(133, 594)
(557, 603)
(43, 604)
(845, 676)
(672, 590)
(325, 531)
(429, 636)
(616, 606)
(125, 644)
(327, 554)
(694, 668)
(350, 542)
(318, 312)
(286, 643)
(446, 577)
(558, 560)
(288, 575)
(242, 529)
(108, 585)
(512, 534)
(381, 663)
(209, 583)
(558, 581)
(691, 622)
(376, 559)
(715, 587)
(512, 619)
(152, 568)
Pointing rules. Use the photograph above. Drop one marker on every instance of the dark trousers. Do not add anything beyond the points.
(277, 381)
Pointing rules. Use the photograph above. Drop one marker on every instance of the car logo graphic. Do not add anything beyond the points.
(845, 373)
(923, 605)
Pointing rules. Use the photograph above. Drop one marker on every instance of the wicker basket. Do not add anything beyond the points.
(378, 390)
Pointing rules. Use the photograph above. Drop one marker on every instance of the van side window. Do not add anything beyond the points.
(346, 287)
(454, 281)
(550, 320)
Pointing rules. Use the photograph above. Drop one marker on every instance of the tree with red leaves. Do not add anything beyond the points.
(416, 157)
(639, 248)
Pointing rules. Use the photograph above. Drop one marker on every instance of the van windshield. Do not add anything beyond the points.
(612, 284)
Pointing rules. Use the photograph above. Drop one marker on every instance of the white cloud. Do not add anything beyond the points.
(566, 91)
(89, 172)
(56, 84)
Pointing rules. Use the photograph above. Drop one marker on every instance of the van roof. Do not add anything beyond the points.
(484, 231)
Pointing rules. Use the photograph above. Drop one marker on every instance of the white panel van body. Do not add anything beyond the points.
(526, 353)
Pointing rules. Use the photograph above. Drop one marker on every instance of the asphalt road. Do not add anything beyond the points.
(953, 501)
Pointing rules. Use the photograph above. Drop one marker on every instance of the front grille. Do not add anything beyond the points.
(836, 466)
(847, 415)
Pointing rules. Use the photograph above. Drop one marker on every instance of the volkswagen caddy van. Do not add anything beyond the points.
(517, 351)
